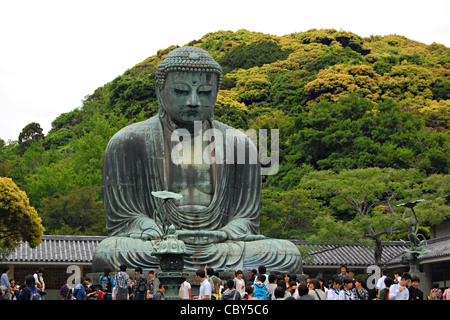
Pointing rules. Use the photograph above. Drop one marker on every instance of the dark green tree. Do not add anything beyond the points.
(79, 211)
(31, 132)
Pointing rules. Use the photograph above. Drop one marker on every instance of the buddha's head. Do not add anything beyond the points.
(187, 83)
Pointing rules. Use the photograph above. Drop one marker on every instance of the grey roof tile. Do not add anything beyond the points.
(58, 249)
(356, 255)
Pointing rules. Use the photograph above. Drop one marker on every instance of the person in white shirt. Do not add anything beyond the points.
(315, 291)
(347, 293)
(205, 287)
(239, 282)
(333, 292)
(39, 278)
(185, 291)
(272, 285)
(262, 270)
(380, 283)
(399, 291)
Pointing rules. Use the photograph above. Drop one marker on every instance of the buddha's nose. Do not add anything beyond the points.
(192, 99)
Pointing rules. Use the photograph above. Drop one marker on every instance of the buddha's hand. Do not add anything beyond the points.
(145, 236)
(147, 230)
(254, 237)
(201, 237)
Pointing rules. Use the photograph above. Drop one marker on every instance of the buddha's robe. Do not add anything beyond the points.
(136, 162)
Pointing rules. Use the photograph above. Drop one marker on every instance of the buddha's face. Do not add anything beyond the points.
(189, 96)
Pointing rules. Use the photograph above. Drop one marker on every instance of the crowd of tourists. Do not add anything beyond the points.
(259, 286)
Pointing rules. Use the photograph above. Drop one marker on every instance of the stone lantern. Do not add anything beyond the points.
(170, 252)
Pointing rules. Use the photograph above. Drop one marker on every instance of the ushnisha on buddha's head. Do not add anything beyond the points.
(187, 83)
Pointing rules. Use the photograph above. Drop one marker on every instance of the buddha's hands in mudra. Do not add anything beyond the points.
(254, 237)
(208, 236)
(201, 237)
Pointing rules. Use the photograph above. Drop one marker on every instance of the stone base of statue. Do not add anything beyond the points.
(274, 254)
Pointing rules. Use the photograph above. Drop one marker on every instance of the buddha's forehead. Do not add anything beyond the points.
(192, 77)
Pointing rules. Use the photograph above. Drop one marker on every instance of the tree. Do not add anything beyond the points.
(79, 211)
(252, 85)
(30, 132)
(18, 220)
(289, 214)
(132, 95)
(341, 80)
(252, 55)
(67, 120)
(364, 200)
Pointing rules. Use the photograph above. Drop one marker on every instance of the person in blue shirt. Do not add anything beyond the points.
(4, 282)
(107, 284)
(79, 293)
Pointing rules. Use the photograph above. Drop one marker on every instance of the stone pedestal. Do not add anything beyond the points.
(172, 282)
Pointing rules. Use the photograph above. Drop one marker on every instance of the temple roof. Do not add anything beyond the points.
(58, 249)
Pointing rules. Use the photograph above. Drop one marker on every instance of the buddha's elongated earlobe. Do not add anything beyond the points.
(162, 112)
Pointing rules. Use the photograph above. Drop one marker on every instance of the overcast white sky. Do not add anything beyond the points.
(54, 53)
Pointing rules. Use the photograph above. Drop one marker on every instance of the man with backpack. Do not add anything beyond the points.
(107, 284)
(140, 285)
(260, 290)
(30, 292)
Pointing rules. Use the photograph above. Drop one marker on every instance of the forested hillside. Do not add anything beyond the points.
(363, 126)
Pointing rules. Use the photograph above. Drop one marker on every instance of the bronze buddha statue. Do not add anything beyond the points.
(218, 213)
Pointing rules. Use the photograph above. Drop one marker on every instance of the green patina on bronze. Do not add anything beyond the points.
(217, 210)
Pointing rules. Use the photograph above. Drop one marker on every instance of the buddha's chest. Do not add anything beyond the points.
(197, 176)
(190, 176)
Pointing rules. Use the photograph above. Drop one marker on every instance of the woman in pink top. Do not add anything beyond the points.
(248, 295)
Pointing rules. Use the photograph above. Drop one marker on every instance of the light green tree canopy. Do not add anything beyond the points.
(18, 220)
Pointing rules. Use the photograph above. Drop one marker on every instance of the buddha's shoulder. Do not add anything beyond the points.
(225, 129)
(137, 130)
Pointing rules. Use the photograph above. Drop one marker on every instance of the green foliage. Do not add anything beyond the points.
(354, 133)
(441, 89)
(231, 111)
(59, 138)
(330, 36)
(333, 56)
(132, 95)
(289, 214)
(67, 120)
(30, 133)
(252, 55)
(18, 220)
(367, 198)
(79, 211)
